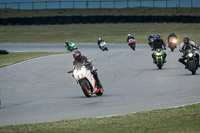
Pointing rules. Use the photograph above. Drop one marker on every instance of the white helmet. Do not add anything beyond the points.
(100, 39)
(129, 34)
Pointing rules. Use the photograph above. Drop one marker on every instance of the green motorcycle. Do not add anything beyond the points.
(71, 46)
(159, 58)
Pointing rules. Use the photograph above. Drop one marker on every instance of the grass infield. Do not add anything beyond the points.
(175, 120)
(85, 33)
(16, 57)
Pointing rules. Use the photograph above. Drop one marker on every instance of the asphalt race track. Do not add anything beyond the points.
(40, 90)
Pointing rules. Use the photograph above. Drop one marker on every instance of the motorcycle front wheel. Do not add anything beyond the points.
(86, 88)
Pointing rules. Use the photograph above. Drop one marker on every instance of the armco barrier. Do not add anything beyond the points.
(97, 19)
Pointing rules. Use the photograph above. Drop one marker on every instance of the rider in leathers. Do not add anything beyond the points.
(130, 37)
(99, 41)
(68, 44)
(158, 43)
(171, 35)
(85, 60)
(184, 46)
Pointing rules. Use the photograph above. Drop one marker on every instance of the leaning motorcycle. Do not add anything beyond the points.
(103, 46)
(191, 61)
(172, 43)
(132, 43)
(159, 58)
(71, 47)
(86, 80)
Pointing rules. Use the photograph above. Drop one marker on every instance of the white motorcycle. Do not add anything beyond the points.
(86, 80)
(103, 46)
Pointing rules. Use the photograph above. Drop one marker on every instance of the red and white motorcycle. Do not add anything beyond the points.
(86, 80)
(132, 43)
(172, 43)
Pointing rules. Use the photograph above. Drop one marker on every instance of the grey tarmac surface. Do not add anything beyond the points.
(40, 90)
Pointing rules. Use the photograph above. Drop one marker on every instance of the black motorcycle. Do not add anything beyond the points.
(191, 61)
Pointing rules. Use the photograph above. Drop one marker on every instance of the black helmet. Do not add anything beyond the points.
(186, 40)
(67, 42)
(77, 54)
(158, 36)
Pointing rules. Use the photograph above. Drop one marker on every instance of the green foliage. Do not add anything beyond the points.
(175, 120)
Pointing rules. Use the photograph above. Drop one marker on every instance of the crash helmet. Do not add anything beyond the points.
(158, 36)
(77, 54)
(151, 35)
(99, 39)
(186, 40)
(172, 33)
(129, 35)
(67, 42)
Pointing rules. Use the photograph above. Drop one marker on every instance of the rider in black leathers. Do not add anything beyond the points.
(78, 58)
(184, 46)
(159, 43)
(130, 37)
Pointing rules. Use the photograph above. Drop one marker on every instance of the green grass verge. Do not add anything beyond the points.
(16, 57)
(85, 12)
(111, 33)
(175, 120)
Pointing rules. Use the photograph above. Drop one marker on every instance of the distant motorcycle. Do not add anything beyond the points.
(172, 43)
(103, 46)
(132, 43)
(86, 80)
(191, 61)
(159, 58)
(151, 42)
(71, 47)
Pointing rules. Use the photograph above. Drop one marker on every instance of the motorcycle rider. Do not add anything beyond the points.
(184, 46)
(68, 44)
(158, 43)
(99, 41)
(150, 37)
(172, 34)
(130, 37)
(78, 58)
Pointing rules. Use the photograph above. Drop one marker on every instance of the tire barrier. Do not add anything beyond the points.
(92, 19)
(43, 20)
(100, 19)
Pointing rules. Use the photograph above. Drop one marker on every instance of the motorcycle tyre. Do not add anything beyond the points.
(85, 88)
